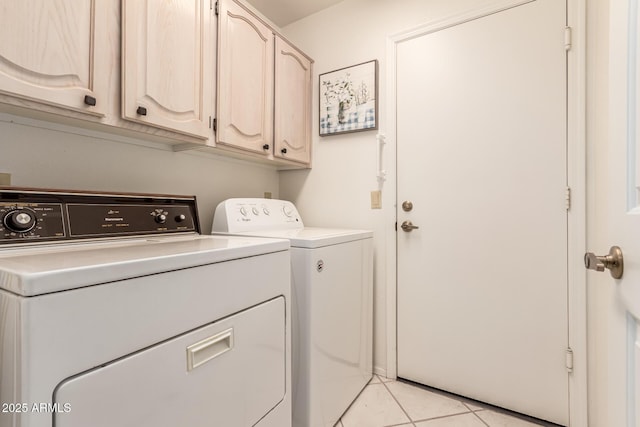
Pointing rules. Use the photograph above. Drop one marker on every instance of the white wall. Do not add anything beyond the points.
(336, 192)
(41, 154)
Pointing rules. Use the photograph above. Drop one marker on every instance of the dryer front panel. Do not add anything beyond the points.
(229, 373)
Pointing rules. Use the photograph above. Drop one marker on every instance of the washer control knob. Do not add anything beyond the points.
(287, 210)
(180, 218)
(255, 211)
(161, 218)
(20, 220)
(243, 211)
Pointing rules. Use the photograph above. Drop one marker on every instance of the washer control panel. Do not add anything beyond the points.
(241, 215)
(30, 215)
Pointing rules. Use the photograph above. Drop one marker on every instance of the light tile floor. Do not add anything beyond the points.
(390, 403)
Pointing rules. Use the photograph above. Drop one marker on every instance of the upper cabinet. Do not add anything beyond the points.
(55, 52)
(264, 89)
(173, 71)
(168, 64)
(292, 130)
(245, 80)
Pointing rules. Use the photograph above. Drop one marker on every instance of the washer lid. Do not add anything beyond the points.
(313, 237)
(58, 267)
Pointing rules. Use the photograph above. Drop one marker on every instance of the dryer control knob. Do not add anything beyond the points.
(20, 220)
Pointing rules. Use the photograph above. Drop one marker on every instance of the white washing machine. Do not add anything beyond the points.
(115, 311)
(332, 288)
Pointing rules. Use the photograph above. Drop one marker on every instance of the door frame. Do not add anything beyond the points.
(576, 181)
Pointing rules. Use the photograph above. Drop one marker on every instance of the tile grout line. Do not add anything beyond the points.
(478, 417)
(473, 411)
(396, 400)
(469, 410)
(468, 407)
(401, 425)
(357, 397)
(444, 416)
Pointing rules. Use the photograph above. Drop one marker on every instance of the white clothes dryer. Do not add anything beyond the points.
(332, 292)
(115, 311)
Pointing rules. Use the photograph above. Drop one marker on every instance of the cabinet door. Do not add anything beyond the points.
(55, 52)
(292, 104)
(167, 64)
(245, 80)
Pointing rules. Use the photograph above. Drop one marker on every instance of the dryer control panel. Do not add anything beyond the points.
(241, 215)
(34, 215)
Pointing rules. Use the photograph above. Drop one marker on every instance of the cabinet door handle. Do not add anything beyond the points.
(283, 151)
(89, 100)
(265, 147)
(141, 111)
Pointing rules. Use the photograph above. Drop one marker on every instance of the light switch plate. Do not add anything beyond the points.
(376, 199)
(5, 179)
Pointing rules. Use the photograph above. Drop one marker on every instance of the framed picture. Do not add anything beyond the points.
(349, 99)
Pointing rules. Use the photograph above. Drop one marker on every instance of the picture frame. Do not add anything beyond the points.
(348, 99)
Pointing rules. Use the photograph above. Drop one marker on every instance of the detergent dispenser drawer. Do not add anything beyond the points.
(228, 373)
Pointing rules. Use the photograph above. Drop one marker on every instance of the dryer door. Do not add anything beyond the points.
(229, 373)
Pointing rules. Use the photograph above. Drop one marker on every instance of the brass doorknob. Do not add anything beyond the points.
(613, 261)
(408, 226)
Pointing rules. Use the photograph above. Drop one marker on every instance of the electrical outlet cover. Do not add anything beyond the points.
(376, 199)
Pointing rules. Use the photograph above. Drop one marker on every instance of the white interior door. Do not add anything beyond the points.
(481, 140)
(617, 222)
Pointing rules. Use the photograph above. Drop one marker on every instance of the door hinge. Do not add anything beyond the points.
(217, 9)
(567, 38)
(215, 125)
(569, 360)
(396, 226)
(568, 198)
